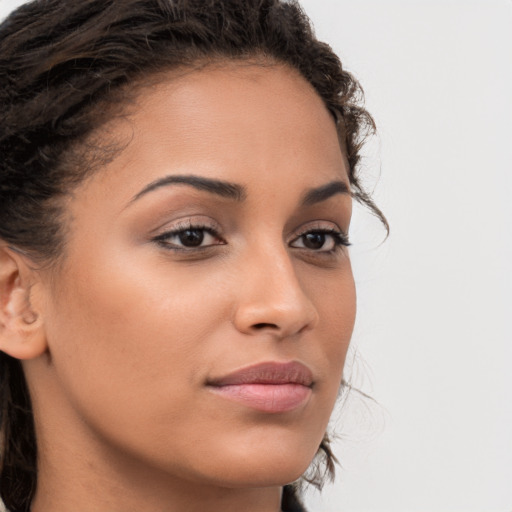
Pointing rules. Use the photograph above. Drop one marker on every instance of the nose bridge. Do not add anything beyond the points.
(271, 295)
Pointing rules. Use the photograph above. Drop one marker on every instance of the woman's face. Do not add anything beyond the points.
(200, 319)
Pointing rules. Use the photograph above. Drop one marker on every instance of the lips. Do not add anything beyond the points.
(270, 387)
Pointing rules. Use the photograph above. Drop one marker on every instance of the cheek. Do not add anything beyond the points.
(336, 302)
(128, 333)
(104, 301)
(335, 299)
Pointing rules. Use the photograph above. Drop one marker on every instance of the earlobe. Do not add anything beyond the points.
(22, 334)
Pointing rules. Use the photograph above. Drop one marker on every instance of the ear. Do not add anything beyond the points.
(21, 323)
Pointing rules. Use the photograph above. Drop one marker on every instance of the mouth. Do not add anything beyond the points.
(270, 387)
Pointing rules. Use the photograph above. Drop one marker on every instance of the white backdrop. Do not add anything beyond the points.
(434, 332)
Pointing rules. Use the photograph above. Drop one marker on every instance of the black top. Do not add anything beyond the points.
(298, 507)
(290, 502)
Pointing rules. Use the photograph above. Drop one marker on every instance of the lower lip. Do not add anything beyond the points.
(271, 398)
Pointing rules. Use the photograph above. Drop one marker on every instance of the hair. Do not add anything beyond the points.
(63, 65)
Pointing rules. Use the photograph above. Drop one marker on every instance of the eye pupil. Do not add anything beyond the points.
(314, 240)
(191, 237)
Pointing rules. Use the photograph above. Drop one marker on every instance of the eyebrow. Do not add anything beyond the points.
(324, 192)
(238, 192)
(214, 186)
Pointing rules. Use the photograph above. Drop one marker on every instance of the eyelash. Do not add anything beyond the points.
(163, 239)
(339, 238)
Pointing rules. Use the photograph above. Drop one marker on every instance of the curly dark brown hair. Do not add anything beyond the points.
(63, 65)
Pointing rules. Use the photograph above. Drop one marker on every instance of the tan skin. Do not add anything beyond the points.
(120, 340)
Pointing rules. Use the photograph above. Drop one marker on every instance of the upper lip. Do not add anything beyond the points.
(268, 373)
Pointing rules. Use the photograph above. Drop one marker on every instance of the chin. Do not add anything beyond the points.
(270, 475)
(266, 466)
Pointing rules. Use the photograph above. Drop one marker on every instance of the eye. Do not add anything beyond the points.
(321, 240)
(189, 238)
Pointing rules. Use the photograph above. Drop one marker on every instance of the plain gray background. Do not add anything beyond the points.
(433, 340)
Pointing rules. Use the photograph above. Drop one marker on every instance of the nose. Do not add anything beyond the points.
(272, 299)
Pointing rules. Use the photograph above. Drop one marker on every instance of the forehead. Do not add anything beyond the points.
(239, 122)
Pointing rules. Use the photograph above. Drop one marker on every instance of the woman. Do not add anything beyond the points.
(176, 292)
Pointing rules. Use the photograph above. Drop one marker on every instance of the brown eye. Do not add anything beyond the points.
(314, 240)
(322, 241)
(191, 237)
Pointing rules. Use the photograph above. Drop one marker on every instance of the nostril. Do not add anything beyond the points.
(264, 325)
